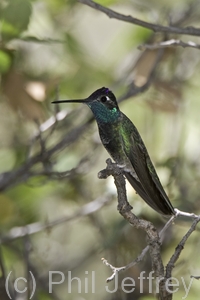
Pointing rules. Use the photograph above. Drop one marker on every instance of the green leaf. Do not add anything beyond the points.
(5, 61)
(15, 18)
(9, 30)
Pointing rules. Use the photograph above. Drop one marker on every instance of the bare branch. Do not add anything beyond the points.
(2, 267)
(146, 249)
(152, 234)
(140, 256)
(22, 174)
(195, 277)
(129, 19)
(180, 247)
(89, 208)
(167, 44)
(114, 269)
(153, 237)
(134, 90)
(185, 214)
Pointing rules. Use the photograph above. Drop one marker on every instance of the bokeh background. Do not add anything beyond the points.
(50, 155)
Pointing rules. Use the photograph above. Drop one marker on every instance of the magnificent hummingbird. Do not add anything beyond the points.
(123, 142)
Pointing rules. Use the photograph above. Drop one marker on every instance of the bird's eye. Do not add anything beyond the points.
(103, 99)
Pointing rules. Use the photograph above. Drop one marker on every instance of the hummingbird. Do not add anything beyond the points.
(123, 142)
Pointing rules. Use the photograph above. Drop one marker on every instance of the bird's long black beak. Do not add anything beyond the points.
(71, 101)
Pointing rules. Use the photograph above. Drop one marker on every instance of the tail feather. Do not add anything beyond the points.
(159, 204)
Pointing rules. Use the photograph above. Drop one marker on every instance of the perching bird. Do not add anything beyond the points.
(123, 142)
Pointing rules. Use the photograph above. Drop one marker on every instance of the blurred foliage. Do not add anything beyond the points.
(51, 45)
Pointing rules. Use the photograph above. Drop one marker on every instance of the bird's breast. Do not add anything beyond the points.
(112, 140)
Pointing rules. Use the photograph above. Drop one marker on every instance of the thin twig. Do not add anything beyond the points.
(152, 234)
(195, 277)
(27, 249)
(139, 257)
(185, 214)
(134, 90)
(180, 247)
(167, 44)
(14, 177)
(153, 237)
(129, 19)
(146, 249)
(89, 208)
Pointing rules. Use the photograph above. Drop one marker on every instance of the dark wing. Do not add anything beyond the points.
(149, 187)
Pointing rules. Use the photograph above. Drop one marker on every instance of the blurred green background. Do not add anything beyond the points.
(52, 49)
